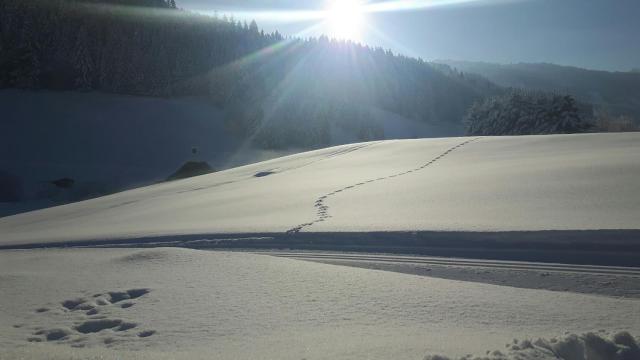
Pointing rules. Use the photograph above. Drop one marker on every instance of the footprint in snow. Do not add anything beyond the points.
(92, 322)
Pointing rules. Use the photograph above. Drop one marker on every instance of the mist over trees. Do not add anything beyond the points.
(521, 112)
(277, 92)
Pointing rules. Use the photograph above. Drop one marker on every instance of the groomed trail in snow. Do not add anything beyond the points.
(490, 184)
(585, 279)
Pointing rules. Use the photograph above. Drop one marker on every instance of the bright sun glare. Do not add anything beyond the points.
(345, 19)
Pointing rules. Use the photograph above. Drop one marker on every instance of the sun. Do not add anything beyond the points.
(345, 19)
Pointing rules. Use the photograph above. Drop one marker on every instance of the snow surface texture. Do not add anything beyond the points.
(563, 182)
(590, 346)
(607, 281)
(178, 303)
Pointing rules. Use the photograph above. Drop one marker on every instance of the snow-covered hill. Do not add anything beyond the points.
(487, 184)
(186, 304)
(108, 142)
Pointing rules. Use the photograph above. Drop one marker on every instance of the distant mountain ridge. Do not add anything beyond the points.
(616, 93)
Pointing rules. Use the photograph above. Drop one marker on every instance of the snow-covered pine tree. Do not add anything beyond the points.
(525, 113)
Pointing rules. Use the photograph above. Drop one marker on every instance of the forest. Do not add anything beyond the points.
(522, 112)
(614, 95)
(278, 91)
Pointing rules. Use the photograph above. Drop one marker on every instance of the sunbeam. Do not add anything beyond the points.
(346, 19)
(407, 5)
(282, 16)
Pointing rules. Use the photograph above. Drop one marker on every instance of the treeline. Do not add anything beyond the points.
(277, 92)
(311, 89)
(90, 45)
(615, 93)
(167, 4)
(521, 112)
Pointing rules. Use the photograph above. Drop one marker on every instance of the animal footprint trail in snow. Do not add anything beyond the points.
(91, 321)
(322, 209)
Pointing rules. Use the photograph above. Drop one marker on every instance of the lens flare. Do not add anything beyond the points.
(345, 19)
(409, 5)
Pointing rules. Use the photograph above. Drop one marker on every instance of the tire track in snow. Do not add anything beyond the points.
(459, 262)
(322, 209)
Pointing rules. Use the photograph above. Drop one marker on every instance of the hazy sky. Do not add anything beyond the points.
(596, 34)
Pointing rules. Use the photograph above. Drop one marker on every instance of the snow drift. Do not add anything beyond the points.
(589, 346)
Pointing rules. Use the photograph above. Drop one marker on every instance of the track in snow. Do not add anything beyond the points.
(429, 260)
(322, 209)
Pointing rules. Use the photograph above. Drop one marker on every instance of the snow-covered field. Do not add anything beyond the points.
(530, 183)
(178, 303)
(157, 303)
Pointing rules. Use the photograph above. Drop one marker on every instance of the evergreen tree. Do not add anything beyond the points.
(25, 66)
(276, 92)
(253, 27)
(526, 113)
(83, 62)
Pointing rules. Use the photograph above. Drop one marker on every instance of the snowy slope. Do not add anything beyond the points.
(109, 142)
(189, 304)
(564, 182)
(108, 138)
